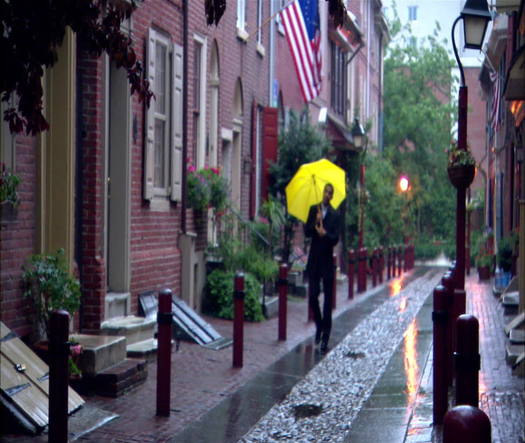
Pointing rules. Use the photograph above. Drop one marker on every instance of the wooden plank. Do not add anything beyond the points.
(34, 400)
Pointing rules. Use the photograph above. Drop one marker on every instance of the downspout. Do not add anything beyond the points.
(79, 178)
(184, 113)
(272, 55)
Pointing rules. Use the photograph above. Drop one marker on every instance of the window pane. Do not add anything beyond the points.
(160, 131)
(197, 77)
(160, 78)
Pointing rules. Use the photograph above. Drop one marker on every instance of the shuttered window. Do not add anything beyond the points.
(163, 145)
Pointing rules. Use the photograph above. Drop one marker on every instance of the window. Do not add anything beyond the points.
(199, 100)
(163, 147)
(412, 13)
(241, 14)
(259, 21)
(7, 140)
(338, 80)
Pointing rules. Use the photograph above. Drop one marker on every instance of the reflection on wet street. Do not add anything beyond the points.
(410, 361)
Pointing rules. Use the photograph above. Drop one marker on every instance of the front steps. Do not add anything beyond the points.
(139, 333)
(105, 368)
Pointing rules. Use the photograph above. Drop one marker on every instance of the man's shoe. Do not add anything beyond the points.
(317, 336)
(324, 347)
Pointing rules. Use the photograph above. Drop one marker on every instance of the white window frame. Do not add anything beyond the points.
(412, 13)
(172, 186)
(7, 140)
(200, 159)
(241, 14)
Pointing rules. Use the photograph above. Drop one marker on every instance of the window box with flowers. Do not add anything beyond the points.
(206, 188)
(461, 166)
(8, 186)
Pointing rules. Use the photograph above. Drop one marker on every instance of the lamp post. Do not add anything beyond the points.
(359, 137)
(475, 16)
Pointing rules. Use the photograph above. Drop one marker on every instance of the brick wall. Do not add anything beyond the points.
(17, 240)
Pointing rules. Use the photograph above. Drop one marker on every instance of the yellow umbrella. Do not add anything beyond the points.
(306, 187)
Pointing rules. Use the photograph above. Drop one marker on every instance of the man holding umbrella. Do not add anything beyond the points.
(322, 227)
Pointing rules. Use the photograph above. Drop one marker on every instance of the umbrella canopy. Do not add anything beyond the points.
(306, 187)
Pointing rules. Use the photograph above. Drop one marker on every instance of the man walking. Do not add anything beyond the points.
(322, 227)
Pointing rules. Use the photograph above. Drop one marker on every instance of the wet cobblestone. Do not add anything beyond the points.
(340, 384)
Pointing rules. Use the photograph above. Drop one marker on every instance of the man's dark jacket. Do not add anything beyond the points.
(320, 261)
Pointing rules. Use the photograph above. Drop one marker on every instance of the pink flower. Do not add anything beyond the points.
(192, 168)
(215, 170)
(75, 350)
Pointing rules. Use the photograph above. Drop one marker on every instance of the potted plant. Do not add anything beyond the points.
(461, 166)
(50, 286)
(198, 189)
(8, 186)
(484, 262)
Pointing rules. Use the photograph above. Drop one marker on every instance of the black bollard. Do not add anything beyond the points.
(164, 320)
(238, 319)
(351, 273)
(440, 318)
(58, 376)
(467, 360)
(283, 295)
(466, 424)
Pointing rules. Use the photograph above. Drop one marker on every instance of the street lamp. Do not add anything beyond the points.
(359, 137)
(475, 16)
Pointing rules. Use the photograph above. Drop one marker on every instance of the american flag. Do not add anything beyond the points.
(494, 112)
(301, 25)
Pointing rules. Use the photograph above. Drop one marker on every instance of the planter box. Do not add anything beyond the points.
(484, 273)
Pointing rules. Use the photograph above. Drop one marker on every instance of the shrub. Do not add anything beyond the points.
(50, 285)
(220, 296)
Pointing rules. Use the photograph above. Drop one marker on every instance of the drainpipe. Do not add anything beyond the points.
(79, 178)
(184, 113)
(272, 53)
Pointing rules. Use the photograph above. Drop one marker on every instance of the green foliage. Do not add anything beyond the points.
(300, 143)
(8, 186)
(427, 249)
(220, 293)
(206, 188)
(482, 254)
(459, 157)
(50, 285)
(505, 251)
(417, 128)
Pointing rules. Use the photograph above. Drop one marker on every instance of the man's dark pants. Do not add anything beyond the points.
(324, 322)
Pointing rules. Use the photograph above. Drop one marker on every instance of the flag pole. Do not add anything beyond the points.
(266, 21)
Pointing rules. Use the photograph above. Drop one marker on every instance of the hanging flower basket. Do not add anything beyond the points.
(461, 176)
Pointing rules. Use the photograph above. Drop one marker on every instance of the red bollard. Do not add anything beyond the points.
(467, 360)
(373, 262)
(334, 290)
(361, 270)
(400, 261)
(448, 282)
(389, 263)
(381, 267)
(58, 375)
(164, 321)
(440, 318)
(466, 424)
(238, 319)
(351, 271)
(283, 295)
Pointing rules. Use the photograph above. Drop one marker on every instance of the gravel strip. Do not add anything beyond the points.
(322, 406)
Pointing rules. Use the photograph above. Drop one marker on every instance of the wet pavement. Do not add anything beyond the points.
(373, 385)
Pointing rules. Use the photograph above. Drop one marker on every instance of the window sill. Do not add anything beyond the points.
(260, 50)
(242, 35)
(159, 204)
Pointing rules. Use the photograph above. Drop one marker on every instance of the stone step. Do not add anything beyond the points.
(99, 352)
(517, 336)
(145, 349)
(134, 328)
(118, 379)
(518, 368)
(513, 352)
